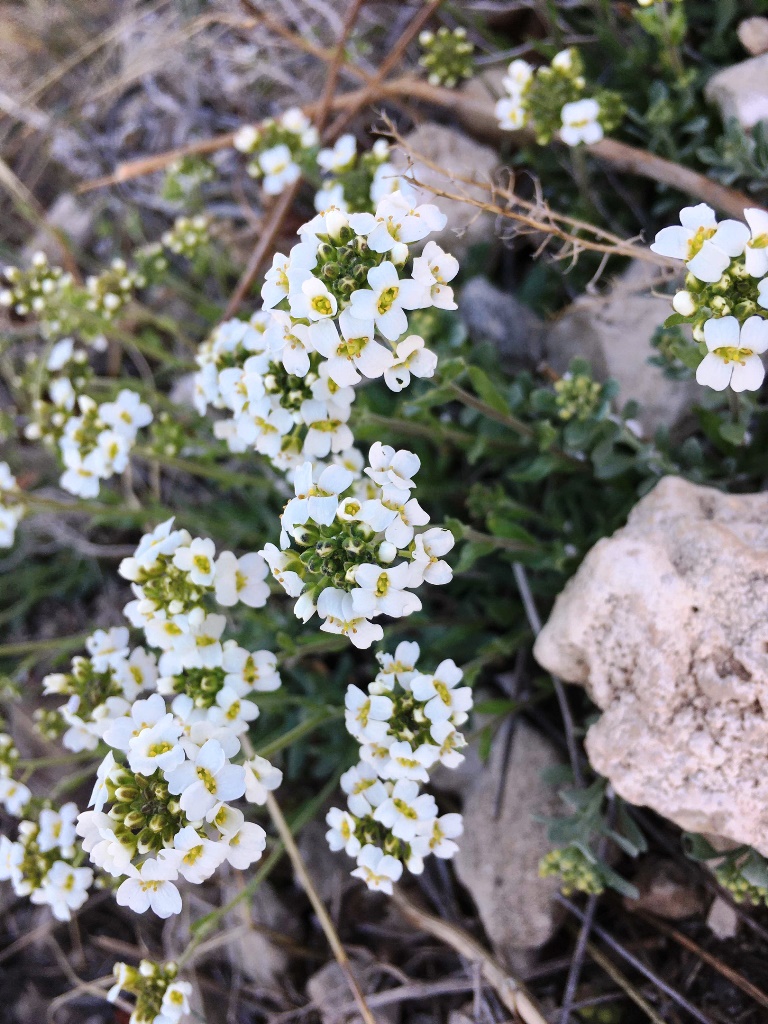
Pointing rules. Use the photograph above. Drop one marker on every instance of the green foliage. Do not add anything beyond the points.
(739, 158)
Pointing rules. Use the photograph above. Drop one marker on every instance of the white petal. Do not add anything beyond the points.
(714, 373)
(709, 263)
(748, 376)
(695, 217)
(671, 241)
(754, 334)
(731, 236)
(721, 333)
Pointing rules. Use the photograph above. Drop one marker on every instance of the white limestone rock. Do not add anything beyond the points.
(666, 625)
(741, 91)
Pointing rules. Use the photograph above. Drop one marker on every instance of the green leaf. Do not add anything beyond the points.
(733, 433)
(487, 390)
(496, 706)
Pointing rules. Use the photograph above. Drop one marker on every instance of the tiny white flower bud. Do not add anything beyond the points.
(684, 304)
(387, 552)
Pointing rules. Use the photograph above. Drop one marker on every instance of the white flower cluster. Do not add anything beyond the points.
(349, 549)
(277, 147)
(94, 441)
(169, 787)
(406, 723)
(334, 312)
(160, 997)
(726, 292)
(42, 862)
(11, 510)
(355, 182)
(99, 688)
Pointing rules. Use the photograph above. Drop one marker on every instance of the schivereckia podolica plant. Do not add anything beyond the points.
(321, 501)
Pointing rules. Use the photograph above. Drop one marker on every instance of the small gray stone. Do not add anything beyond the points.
(741, 91)
(330, 992)
(502, 319)
(498, 858)
(722, 919)
(614, 331)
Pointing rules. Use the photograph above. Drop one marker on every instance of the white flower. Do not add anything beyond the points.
(389, 466)
(316, 501)
(427, 565)
(438, 835)
(381, 590)
(232, 712)
(519, 75)
(330, 196)
(377, 869)
(450, 742)
(434, 268)
(107, 648)
(162, 541)
(64, 889)
(580, 122)
(246, 845)
(198, 645)
(137, 673)
(411, 357)
(762, 293)
(407, 763)
(13, 795)
(143, 715)
(398, 221)
(367, 717)
(194, 857)
(443, 699)
(684, 303)
(340, 157)
(386, 299)
(290, 341)
(241, 579)
(287, 273)
(261, 777)
(156, 747)
(127, 414)
(756, 253)
(60, 355)
(175, 1001)
(364, 789)
(313, 301)
(706, 246)
(100, 793)
(734, 354)
(278, 168)
(197, 560)
(511, 113)
(400, 666)
(341, 834)
(81, 476)
(57, 829)
(353, 354)
(405, 809)
(205, 781)
(249, 670)
(395, 514)
(278, 561)
(151, 887)
(246, 138)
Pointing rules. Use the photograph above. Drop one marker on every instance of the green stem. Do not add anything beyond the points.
(63, 643)
(299, 731)
(230, 478)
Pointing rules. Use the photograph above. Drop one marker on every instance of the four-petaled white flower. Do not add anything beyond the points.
(706, 246)
(194, 856)
(150, 886)
(733, 356)
(197, 560)
(261, 777)
(367, 716)
(387, 299)
(756, 252)
(444, 697)
(241, 579)
(341, 834)
(279, 169)
(206, 780)
(377, 869)
(580, 122)
(405, 810)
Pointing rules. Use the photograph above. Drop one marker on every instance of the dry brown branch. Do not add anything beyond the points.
(388, 64)
(618, 155)
(513, 993)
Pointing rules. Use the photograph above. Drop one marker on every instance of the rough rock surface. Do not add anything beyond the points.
(498, 858)
(498, 317)
(666, 625)
(614, 332)
(329, 991)
(741, 91)
(457, 155)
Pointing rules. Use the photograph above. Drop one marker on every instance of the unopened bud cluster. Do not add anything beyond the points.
(278, 149)
(160, 996)
(578, 872)
(448, 56)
